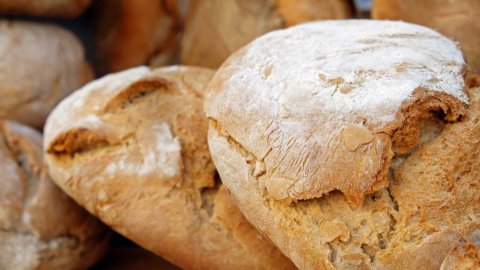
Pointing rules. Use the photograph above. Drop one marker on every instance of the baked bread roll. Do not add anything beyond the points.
(41, 64)
(456, 19)
(213, 29)
(349, 143)
(132, 149)
(40, 227)
(51, 8)
(131, 33)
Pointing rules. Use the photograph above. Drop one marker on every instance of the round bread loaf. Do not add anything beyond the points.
(40, 227)
(349, 143)
(51, 8)
(41, 64)
(456, 19)
(132, 148)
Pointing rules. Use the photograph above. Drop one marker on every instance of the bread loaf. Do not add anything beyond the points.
(216, 28)
(194, 32)
(350, 143)
(456, 19)
(131, 147)
(41, 64)
(40, 227)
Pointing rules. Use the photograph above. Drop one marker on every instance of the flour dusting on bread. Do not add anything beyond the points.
(164, 154)
(291, 97)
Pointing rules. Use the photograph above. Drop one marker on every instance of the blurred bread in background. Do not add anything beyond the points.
(456, 19)
(131, 33)
(40, 65)
(40, 227)
(50, 8)
(194, 32)
(216, 28)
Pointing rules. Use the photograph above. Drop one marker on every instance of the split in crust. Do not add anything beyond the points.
(132, 148)
(351, 144)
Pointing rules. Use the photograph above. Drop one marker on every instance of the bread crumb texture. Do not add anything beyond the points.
(382, 176)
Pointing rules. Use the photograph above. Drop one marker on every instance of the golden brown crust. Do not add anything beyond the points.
(134, 153)
(41, 64)
(213, 31)
(40, 227)
(50, 8)
(432, 202)
(456, 19)
(274, 98)
(276, 116)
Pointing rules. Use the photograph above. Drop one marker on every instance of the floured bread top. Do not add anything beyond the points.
(99, 117)
(323, 106)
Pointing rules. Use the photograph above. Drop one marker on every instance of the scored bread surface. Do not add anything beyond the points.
(351, 144)
(132, 148)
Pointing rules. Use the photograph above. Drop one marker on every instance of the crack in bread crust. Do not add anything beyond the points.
(297, 116)
(417, 218)
(161, 209)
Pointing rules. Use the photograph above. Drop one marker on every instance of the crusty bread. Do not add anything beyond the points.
(216, 28)
(340, 142)
(40, 227)
(456, 19)
(40, 65)
(132, 148)
(51, 8)
(131, 33)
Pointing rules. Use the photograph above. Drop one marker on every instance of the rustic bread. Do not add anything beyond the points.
(340, 142)
(40, 227)
(41, 64)
(131, 33)
(456, 19)
(216, 28)
(132, 148)
(51, 8)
